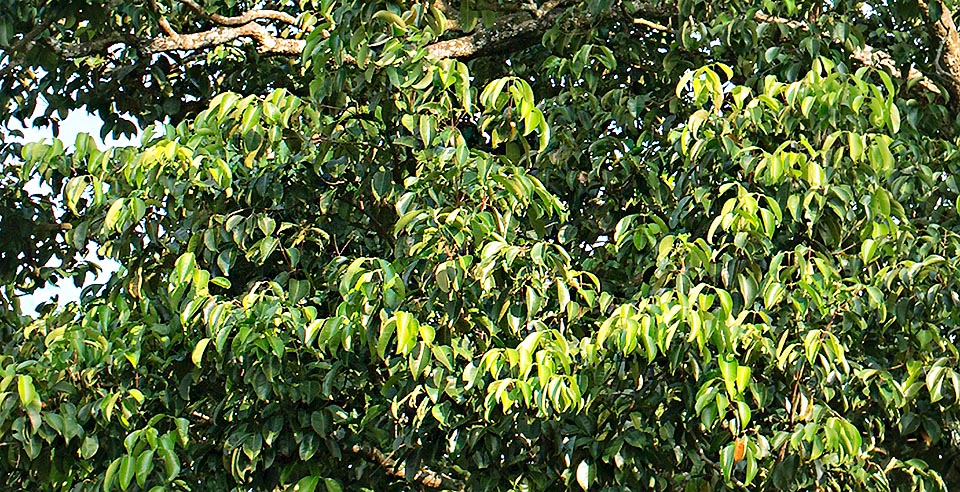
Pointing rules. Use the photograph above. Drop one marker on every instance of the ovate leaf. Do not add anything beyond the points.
(586, 474)
(197, 355)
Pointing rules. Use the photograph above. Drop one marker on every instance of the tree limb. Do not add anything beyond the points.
(871, 57)
(266, 42)
(425, 478)
(78, 50)
(242, 19)
(513, 29)
(948, 55)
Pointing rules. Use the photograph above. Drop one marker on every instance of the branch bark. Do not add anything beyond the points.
(425, 478)
(948, 54)
(266, 42)
(512, 30)
(243, 19)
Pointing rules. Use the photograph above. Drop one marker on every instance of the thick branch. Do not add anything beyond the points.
(78, 50)
(243, 19)
(266, 42)
(511, 31)
(948, 54)
(651, 24)
(425, 478)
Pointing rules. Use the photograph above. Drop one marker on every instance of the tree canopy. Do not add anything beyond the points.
(513, 245)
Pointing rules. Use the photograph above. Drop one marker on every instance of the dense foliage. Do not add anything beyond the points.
(611, 245)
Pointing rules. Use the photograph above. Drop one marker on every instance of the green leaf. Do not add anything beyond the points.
(144, 466)
(743, 378)
(428, 334)
(934, 380)
(748, 288)
(307, 484)
(183, 268)
(89, 447)
(428, 127)
(73, 191)
(26, 390)
(868, 250)
(127, 471)
(267, 246)
(197, 355)
(586, 474)
(390, 18)
(407, 330)
(110, 476)
(332, 485)
(935, 11)
(773, 294)
(894, 118)
(855, 141)
(266, 224)
(881, 158)
(112, 219)
(880, 202)
(771, 54)
(728, 370)
(727, 460)
(815, 174)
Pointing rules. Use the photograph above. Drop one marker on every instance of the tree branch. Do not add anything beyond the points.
(242, 19)
(164, 23)
(948, 55)
(867, 55)
(425, 478)
(513, 29)
(77, 50)
(651, 24)
(871, 57)
(15, 59)
(267, 43)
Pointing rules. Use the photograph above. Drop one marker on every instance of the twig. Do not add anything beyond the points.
(164, 23)
(653, 25)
